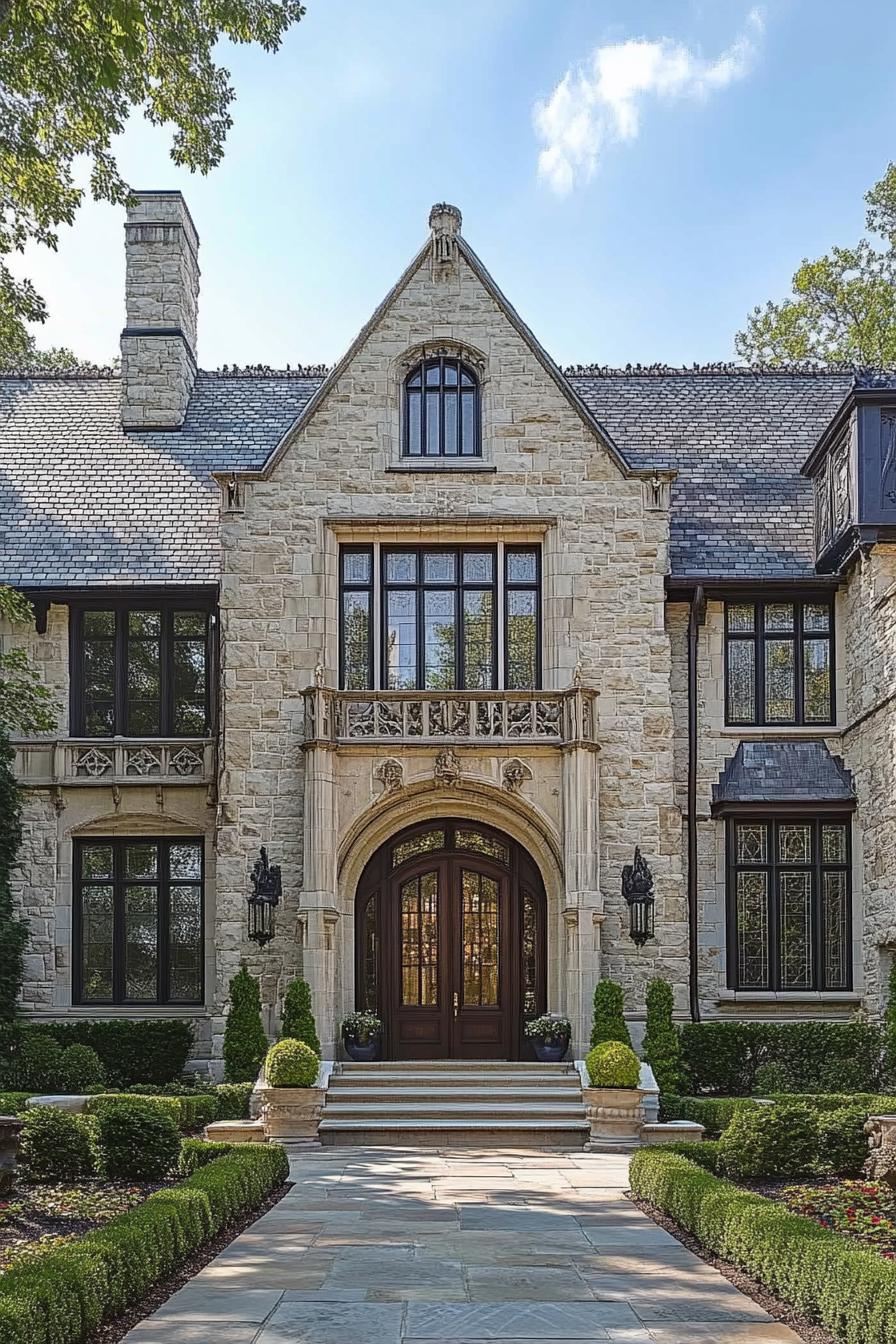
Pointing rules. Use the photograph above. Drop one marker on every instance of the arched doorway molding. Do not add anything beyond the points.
(470, 802)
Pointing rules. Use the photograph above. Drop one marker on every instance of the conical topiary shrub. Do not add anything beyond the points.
(245, 1043)
(662, 1049)
(609, 1022)
(298, 1020)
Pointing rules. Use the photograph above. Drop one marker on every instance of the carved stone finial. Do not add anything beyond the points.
(445, 222)
(514, 774)
(390, 773)
(447, 771)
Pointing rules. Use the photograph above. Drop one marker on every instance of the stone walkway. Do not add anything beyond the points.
(376, 1246)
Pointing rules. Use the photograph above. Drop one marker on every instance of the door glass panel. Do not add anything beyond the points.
(420, 941)
(530, 954)
(424, 843)
(481, 844)
(370, 956)
(480, 939)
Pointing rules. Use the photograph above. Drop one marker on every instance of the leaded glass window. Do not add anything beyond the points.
(779, 662)
(789, 904)
(141, 671)
(442, 410)
(439, 625)
(138, 921)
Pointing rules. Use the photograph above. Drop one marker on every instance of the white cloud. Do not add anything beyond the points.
(601, 102)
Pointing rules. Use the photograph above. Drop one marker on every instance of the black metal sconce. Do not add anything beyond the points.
(265, 897)
(637, 888)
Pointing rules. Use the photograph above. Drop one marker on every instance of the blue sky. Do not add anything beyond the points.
(694, 154)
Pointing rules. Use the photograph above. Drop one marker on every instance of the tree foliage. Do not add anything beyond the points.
(843, 307)
(71, 71)
(245, 1044)
(662, 1048)
(26, 706)
(57, 359)
(13, 931)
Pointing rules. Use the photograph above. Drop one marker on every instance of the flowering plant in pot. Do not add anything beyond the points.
(549, 1035)
(362, 1036)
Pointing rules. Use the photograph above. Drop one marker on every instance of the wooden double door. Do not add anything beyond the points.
(451, 943)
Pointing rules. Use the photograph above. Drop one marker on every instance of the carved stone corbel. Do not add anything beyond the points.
(390, 774)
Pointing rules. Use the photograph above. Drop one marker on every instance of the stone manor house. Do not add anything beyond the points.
(450, 632)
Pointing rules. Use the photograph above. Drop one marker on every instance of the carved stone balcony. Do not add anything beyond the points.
(114, 761)
(536, 718)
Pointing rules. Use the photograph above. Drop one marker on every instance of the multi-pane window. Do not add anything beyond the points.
(440, 618)
(789, 904)
(140, 672)
(779, 662)
(138, 921)
(441, 410)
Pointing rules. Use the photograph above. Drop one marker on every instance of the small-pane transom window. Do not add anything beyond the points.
(441, 405)
(779, 662)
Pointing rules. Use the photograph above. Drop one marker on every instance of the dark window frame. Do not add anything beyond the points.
(167, 709)
(773, 869)
(164, 883)
(443, 389)
(516, 587)
(350, 586)
(798, 635)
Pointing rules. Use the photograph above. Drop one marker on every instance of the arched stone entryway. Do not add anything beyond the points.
(451, 941)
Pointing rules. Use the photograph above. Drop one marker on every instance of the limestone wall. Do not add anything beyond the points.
(605, 555)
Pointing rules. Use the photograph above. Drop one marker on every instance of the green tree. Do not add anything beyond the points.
(662, 1048)
(56, 359)
(298, 1020)
(25, 707)
(245, 1044)
(843, 307)
(609, 1020)
(71, 71)
(889, 1031)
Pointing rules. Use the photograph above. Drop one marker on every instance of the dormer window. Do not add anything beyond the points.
(442, 413)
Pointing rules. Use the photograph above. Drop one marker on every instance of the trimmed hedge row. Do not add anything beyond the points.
(188, 1113)
(60, 1297)
(142, 1051)
(849, 1290)
(713, 1113)
(723, 1057)
(11, 1103)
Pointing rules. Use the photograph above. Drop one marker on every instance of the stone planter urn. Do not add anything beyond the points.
(290, 1113)
(616, 1114)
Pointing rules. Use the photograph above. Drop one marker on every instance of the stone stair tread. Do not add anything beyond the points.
(477, 1108)
(428, 1122)
(508, 1094)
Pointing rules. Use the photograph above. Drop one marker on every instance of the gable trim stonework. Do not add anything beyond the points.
(653, 496)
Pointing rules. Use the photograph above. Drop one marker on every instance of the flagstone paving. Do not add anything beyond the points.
(426, 1246)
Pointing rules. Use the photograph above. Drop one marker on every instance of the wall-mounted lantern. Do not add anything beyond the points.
(637, 888)
(265, 897)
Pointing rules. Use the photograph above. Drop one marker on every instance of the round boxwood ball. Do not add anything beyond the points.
(613, 1064)
(291, 1063)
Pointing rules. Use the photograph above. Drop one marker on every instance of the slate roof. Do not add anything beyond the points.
(737, 439)
(83, 502)
(783, 772)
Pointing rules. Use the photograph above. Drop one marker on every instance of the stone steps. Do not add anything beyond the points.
(426, 1103)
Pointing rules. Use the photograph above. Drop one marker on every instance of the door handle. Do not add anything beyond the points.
(456, 1002)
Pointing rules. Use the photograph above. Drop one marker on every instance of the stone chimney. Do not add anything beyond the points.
(158, 344)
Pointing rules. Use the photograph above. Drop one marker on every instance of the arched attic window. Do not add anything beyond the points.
(442, 413)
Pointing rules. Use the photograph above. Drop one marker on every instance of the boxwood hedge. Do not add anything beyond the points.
(61, 1296)
(848, 1289)
(188, 1113)
(722, 1057)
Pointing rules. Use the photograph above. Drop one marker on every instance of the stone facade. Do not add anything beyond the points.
(614, 673)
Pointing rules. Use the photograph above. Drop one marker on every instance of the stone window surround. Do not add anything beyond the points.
(559, 653)
(401, 368)
(128, 826)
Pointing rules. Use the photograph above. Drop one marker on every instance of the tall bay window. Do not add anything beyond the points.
(779, 662)
(440, 618)
(138, 921)
(789, 904)
(140, 671)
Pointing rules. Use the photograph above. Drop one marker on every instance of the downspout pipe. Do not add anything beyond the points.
(696, 618)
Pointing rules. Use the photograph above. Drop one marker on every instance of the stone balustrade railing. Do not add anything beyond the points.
(73, 761)
(546, 718)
